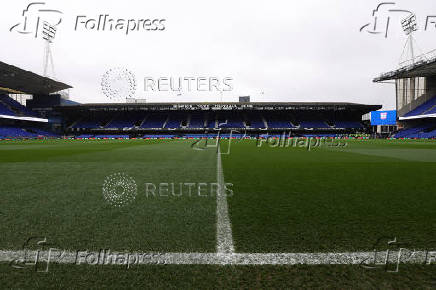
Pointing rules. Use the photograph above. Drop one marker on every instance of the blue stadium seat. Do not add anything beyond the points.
(274, 124)
(348, 124)
(211, 123)
(314, 125)
(112, 136)
(124, 121)
(197, 121)
(231, 122)
(175, 121)
(256, 122)
(15, 132)
(17, 106)
(424, 109)
(154, 121)
(5, 110)
(423, 131)
(88, 124)
(160, 136)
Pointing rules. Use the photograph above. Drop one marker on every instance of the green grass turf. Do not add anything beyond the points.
(218, 277)
(330, 199)
(285, 200)
(53, 189)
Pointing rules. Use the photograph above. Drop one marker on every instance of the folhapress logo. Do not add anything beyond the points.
(37, 15)
(107, 23)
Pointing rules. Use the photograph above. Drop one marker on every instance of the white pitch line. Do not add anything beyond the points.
(120, 258)
(224, 235)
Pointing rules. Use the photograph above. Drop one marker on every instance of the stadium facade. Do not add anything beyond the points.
(47, 114)
(206, 119)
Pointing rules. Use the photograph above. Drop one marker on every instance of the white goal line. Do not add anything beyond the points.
(136, 258)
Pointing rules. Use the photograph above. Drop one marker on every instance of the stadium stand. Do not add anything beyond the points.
(87, 124)
(157, 136)
(255, 121)
(428, 107)
(12, 132)
(4, 110)
(85, 136)
(200, 120)
(423, 131)
(25, 132)
(155, 121)
(231, 122)
(15, 106)
(176, 121)
(280, 124)
(211, 123)
(196, 136)
(112, 137)
(348, 124)
(44, 133)
(124, 121)
(197, 121)
(314, 125)
(320, 135)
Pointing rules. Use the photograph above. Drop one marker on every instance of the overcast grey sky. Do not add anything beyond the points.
(308, 51)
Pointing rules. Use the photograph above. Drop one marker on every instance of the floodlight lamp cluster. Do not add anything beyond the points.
(48, 32)
(409, 24)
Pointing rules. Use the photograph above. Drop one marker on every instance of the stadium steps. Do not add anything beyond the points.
(265, 123)
(431, 110)
(166, 121)
(108, 122)
(143, 121)
(188, 121)
(208, 123)
(74, 123)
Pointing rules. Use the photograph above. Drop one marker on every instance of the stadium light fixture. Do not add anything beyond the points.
(48, 32)
(409, 24)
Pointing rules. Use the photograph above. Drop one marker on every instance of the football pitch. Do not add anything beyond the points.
(244, 214)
